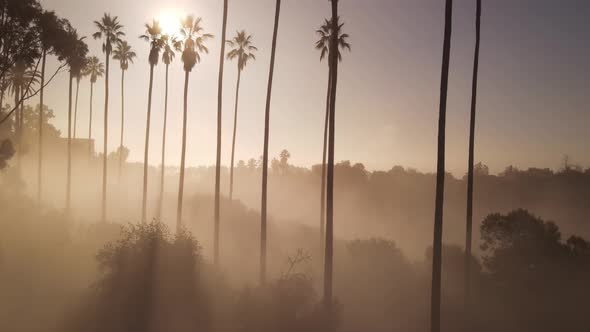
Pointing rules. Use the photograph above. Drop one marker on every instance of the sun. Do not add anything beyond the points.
(170, 22)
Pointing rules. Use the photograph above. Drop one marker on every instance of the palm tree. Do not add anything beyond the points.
(20, 79)
(94, 69)
(243, 52)
(194, 44)
(153, 35)
(218, 155)
(109, 30)
(52, 32)
(265, 149)
(323, 45)
(125, 55)
(76, 60)
(171, 46)
(469, 217)
(78, 78)
(440, 175)
(333, 79)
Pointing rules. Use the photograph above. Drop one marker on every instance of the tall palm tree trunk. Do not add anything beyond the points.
(104, 149)
(440, 175)
(147, 147)
(40, 138)
(218, 156)
(122, 123)
(163, 163)
(21, 122)
(265, 151)
(69, 162)
(469, 217)
(323, 180)
(90, 121)
(328, 259)
(76, 106)
(233, 142)
(182, 156)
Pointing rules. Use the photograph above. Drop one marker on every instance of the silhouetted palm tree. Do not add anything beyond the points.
(323, 45)
(51, 33)
(243, 52)
(171, 46)
(469, 217)
(440, 175)
(20, 80)
(333, 64)
(216, 213)
(193, 45)
(94, 69)
(110, 31)
(76, 60)
(263, 220)
(78, 78)
(125, 55)
(153, 35)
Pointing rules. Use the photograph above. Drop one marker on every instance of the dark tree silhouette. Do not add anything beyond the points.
(170, 45)
(94, 69)
(469, 214)
(323, 45)
(125, 55)
(110, 31)
(153, 35)
(75, 57)
(329, 250)
(242, 50)
(440, 175)
(78, 78)
(265, 149)
(193, 45)
(216, 213)
(51, 32)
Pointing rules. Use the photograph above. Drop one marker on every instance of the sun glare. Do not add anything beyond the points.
(170, 22)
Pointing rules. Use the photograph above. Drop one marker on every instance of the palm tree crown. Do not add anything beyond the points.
(153, 35)
(243, 49)
(110, 30)
(171, 46)
(94, 68)
(20, 77)
(194, 41)
(124, 54)
(325, 33)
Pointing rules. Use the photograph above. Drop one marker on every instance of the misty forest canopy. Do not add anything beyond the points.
(92, 242)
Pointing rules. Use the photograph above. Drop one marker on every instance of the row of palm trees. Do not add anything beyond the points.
(192, 45)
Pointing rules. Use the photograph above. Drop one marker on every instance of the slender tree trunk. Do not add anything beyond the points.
(147, 147)
(104, 149)
(440, 175)
(90, 121)
(76, 106)
(323, 180)
(218, 156)
(469, 221)
(40, 138)
(233, 142)
(328, 259)
(163, 163)
(182, 156)
(69, 162)
(265, 151)
(122, 123)
(21, 121)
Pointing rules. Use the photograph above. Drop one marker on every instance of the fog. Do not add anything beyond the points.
(59, 270)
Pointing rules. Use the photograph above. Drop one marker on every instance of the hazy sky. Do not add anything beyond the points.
(533, 89)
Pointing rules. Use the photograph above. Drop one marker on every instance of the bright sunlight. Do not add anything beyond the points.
(170, 22)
